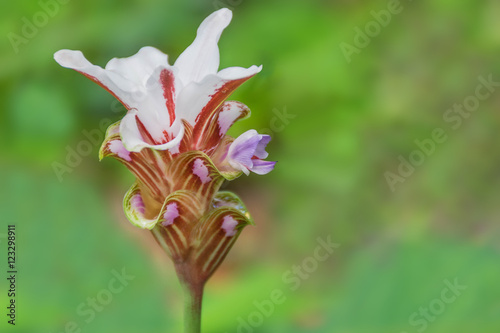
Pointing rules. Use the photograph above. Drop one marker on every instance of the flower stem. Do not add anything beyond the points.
(193, 295)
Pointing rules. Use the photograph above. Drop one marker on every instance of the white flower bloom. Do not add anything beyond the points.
(158, 95)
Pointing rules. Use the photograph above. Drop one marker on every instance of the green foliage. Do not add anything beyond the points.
(337, 128)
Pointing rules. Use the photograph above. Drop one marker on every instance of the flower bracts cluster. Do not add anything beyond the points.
(173, 139)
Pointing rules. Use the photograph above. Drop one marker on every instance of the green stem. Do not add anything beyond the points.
(193, 295)
(192, 284)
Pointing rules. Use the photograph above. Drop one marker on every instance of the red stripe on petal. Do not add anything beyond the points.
(183, 177)
(214, 236)
(210, 135)
(167, 81)
(176, 232)
(186, 143)
(218, 97)
(167, 136)
(205, 117)
(146, 136)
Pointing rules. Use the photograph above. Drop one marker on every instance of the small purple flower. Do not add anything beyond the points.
(247, 152)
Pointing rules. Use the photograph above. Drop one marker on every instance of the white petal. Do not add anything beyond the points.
(153, 83)
(202, 56)
(156, 104)
(164, 97)
(130, 134)
(132, 138)
(235, 73)
(139, 67)
(122, 88)
(136, 83)
(195, 96)
(156, 108)
(231, 111)
(172, 143)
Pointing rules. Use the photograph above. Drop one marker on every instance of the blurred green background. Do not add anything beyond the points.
(348, 124)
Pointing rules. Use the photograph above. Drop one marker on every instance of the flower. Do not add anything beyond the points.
(173, 139)
(247, 151)
(158, 95)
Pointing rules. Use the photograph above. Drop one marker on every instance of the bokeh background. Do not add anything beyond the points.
(347, 124)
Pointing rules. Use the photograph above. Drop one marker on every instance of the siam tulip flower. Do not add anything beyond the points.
(173, 139)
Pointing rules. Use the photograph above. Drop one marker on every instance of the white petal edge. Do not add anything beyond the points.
(122, 88)
(132, 138)
(193, 97)
(139, 67)
(202, 56)
(231, 110)
(235, 73)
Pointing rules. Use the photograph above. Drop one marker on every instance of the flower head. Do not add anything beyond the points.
(173, 139)
(158, 96)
